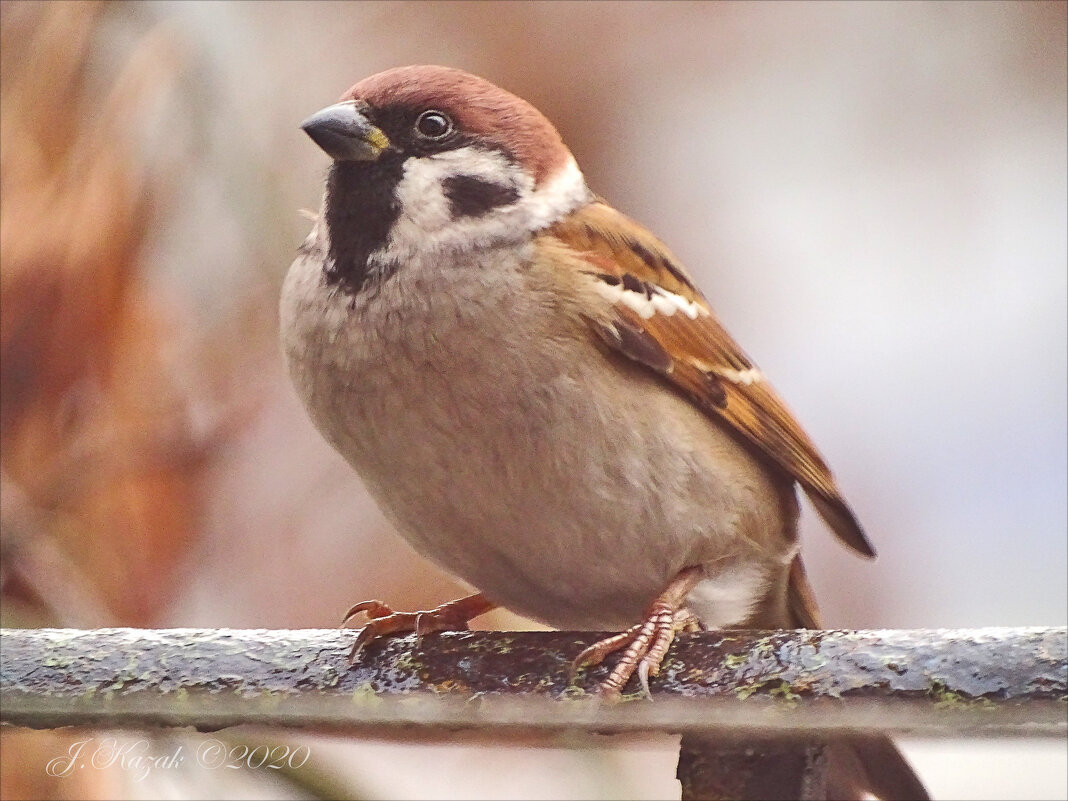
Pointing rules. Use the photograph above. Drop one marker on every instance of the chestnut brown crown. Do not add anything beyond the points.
(479, 107)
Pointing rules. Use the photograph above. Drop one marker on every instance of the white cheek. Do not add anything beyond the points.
(424, 206)
(427, 226)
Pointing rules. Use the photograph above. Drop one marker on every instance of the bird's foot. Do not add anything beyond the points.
(382, 620)
(647, 643)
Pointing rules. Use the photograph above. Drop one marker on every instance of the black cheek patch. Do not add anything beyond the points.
(469, 196)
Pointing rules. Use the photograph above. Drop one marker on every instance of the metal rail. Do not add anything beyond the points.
(929, 682)
(758, 710)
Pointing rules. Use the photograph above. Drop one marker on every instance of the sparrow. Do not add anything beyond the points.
(536, 393)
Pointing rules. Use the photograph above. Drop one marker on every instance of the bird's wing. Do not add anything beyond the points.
(658, 318)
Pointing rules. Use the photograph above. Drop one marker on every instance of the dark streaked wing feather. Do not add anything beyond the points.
(697, 354)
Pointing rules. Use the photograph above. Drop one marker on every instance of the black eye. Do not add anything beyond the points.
(433, 124)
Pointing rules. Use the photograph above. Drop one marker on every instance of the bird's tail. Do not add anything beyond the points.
(859, 766)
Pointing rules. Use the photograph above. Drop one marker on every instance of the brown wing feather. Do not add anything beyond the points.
(696, 353)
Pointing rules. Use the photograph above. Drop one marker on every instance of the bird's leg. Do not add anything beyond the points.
(382, 620)
(647, 643)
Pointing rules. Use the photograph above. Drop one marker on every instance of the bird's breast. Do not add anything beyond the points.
(496, 436)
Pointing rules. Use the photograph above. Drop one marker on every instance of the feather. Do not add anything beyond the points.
(659, 318)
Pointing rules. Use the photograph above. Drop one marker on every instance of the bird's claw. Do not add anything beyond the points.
(382, 620)
(646, 646)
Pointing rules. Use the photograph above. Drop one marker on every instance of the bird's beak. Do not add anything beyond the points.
(345, 133)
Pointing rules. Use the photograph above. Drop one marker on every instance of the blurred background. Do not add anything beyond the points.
(872, 195)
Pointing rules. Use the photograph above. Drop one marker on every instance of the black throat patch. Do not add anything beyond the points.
(361, 207)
